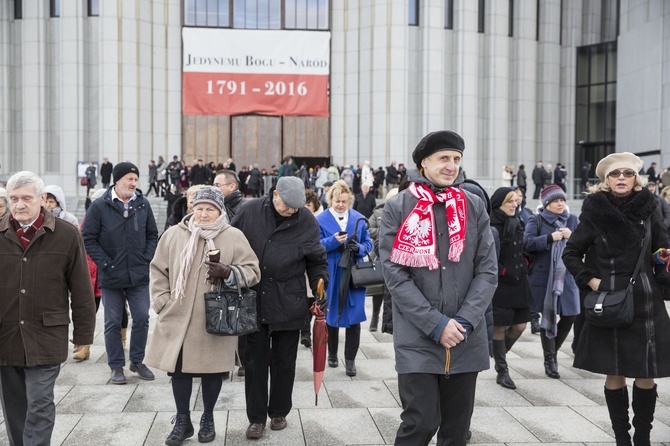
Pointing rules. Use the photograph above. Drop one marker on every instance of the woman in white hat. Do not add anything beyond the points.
(601, 254)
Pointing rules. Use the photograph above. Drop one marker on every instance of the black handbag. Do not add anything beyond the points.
(614, 309)
(367, 274)
(231, 311)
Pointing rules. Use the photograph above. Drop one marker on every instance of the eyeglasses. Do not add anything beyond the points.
(617, 173)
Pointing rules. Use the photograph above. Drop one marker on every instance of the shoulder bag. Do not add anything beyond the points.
(367, 273)
(231, 311)
(615, 309)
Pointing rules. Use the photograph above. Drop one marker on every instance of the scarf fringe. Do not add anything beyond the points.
(455, 250)
(413, 260)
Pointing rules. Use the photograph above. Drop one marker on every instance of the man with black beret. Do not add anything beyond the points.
(120, 235)
(440, 267)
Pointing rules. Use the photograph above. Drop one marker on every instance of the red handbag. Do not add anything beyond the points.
(84, 181)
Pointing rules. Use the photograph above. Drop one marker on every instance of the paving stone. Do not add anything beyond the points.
(360, 394)
(158, 398)
(127, 429)
(554, 424)
(495, 424)
(97, 399)
(551, 392)
(339, 427)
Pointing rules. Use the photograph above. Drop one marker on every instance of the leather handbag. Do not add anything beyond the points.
(366, 274)
(231, 311)
(614, 309)
(84, 181)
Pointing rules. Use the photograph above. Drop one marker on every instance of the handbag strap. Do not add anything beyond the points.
(643, 244)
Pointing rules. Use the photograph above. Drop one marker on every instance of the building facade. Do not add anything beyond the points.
(521, 80)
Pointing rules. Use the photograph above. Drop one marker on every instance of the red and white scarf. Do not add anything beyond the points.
(415, 244)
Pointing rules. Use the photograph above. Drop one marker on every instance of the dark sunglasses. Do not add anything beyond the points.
(617, 173)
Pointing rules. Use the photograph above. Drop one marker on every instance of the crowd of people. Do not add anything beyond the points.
(459, 265)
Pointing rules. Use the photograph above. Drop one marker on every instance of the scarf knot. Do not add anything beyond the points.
(415, 244)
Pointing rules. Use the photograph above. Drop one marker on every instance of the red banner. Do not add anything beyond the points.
(265, 94)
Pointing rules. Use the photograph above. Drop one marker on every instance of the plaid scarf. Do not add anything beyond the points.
(415, 244)
(26, 235)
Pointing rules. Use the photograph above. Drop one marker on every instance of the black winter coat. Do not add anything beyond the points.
(285, 253)
(513, 290)
(610, 238)
(121, 247)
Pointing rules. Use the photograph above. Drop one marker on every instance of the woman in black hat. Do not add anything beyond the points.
(511, 301)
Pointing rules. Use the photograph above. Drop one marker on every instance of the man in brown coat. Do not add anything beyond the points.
(45, 276)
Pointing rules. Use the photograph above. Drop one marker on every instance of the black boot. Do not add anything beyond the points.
(183, 429)
(617, 405)
(374, 321)
(535, 323)
(644, 405)
(350, 367)
(499, 356)
(207, 432)
(549, 349)
(509, 342)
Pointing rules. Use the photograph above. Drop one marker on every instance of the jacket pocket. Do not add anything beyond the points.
(55, 319)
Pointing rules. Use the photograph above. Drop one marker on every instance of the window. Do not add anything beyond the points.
(258, 14)
(18, 9)
(480, 16)
(306, 14)
(449, 14)
(510, 23)
(93, 8)
(413, 15)
(54, 8)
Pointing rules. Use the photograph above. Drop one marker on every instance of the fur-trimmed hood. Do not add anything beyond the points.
(619, 223)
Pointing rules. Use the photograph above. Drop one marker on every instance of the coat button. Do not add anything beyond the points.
(444, 268)
(22, 322)
(23, 291)
(25, 260)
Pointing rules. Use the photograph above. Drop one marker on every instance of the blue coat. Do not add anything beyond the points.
(539, 273)
(354, 310)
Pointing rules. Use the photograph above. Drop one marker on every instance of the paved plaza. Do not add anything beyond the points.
(363, 410)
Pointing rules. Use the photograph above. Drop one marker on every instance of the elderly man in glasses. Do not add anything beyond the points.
(120, 235)
(229, 185)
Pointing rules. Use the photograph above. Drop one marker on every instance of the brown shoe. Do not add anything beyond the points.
(255, 431)
(278, 423)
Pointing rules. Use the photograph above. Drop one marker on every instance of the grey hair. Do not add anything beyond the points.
(603, 186)
(25, 178)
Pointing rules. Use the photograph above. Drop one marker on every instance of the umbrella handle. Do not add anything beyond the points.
(447, 362)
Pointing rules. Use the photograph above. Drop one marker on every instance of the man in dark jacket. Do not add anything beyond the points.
(45, 275)
(392, 176)
(199, 173)
(285, 236)
(521, 178)
(106, 172)
(174, 170)
(365, 202)
(440, 267)
(228, 184)
(120, 235)
(538, 180)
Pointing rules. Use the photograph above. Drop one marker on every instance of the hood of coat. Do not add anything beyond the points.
(619, 222)
(58, 193)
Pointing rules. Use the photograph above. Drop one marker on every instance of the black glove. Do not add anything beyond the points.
(352, 246)
(323, 303)
(217, 271)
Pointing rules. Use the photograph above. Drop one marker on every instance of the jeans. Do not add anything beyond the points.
(113, 299)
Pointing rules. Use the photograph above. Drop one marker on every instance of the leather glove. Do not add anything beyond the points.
(352, 246)
(323, 303)
(217, 270)
(320, 295)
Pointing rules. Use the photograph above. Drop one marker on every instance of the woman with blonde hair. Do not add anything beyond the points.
(619, 224)
(343, 231)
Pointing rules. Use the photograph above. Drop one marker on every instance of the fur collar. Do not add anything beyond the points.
(619, 223)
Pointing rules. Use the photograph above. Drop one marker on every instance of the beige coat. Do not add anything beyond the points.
(184, 324)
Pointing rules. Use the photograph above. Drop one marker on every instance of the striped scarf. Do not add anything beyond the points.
(26, 235)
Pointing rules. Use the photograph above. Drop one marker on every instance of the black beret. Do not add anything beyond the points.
(498, 197)
(436, 141)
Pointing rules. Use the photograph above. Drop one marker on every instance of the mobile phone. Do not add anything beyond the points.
(342, 233)
(214, 255)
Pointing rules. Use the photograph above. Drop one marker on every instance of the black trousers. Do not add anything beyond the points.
(272, 353)
(352, 341)
(433, 403)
